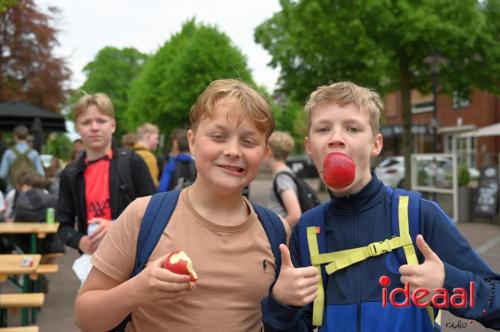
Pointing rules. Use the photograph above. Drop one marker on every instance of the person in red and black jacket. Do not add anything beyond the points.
(98, 186)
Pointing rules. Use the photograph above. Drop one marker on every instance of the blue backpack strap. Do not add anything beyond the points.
(275, 231)
(158, 213)
(313, 217)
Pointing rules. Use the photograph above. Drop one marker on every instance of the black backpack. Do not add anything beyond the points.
(183, 176)
(308, 198)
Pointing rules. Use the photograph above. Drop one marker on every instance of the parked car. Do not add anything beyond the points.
(391, 171)
(438, 172)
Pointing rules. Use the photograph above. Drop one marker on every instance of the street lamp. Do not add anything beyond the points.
(435, 61)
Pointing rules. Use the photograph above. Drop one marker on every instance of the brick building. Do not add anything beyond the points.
(455, 118)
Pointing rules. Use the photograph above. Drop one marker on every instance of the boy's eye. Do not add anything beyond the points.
(322, 129)
(353, 129)
(249, 142)
(218, 137)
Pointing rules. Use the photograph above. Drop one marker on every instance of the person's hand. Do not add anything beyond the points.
(100, 231)
(295, 286)
(429, 275)
(86, 245)
(156, 285)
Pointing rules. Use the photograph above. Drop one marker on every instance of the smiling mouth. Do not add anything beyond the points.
(233, 168)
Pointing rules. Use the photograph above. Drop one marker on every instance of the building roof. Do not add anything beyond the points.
(13, 113)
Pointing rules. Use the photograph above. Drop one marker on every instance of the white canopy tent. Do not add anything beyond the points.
(491, 130)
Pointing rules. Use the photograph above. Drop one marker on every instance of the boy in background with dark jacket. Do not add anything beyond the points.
(98, 186)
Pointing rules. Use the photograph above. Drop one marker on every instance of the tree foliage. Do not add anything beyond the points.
(179, 71)
(384, 44)
(29, 71)
(112, 72)
(6, 4)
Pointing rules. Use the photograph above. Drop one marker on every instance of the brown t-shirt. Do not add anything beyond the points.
(235, 267)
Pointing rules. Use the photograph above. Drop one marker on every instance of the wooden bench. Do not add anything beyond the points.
(26, 300)
(44, 269)
(20, 329)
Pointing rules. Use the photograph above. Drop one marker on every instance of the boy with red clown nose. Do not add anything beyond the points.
(367, 231)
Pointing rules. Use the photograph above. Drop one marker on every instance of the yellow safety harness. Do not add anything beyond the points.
(341, 259)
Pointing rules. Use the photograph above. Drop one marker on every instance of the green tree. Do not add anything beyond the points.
(6, 4)
(112, 72)
(179, 71)
(385, 44)
(59, 145)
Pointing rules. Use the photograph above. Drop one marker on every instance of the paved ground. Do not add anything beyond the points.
(57, 312)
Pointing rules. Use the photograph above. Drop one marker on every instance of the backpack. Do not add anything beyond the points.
(125, 174)
(157, 215)
(22, 164)
(183, 176)
(313, 247)
(307, 196)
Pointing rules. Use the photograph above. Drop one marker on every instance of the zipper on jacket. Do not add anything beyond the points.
(358, 279)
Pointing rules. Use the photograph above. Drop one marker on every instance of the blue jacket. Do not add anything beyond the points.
(169, 169)
(353, 295)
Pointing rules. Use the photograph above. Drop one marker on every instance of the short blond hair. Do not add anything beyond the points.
(147, 129)
(281, 144)
(101, 100)
(345, 93)
(253, 103)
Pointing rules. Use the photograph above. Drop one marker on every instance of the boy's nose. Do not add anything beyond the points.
(232, 150)
(336, 140)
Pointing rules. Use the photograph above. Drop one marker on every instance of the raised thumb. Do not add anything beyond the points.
(425, 249)
(286, 260)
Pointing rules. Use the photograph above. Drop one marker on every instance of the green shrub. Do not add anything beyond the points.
(463, 176)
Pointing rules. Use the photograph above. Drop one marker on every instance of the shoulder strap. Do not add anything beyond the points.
(158, 213)
(413, 216)
(275, 185)
(312, 241)
(124, 158)
(156, 218)
(275, 231)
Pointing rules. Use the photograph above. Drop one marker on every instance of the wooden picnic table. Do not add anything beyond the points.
(36, 229)
(11, 265)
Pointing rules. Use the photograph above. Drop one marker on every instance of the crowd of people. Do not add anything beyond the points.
(287, 267)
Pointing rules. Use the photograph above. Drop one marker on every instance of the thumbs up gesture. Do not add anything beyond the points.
(430, 274)
(295, 286)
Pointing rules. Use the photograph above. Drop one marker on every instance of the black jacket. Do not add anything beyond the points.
(129, 178)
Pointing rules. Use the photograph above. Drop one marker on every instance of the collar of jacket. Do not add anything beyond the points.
(367, 197)
(82, 163)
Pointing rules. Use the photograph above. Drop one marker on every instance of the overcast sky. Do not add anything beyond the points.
(88, 26)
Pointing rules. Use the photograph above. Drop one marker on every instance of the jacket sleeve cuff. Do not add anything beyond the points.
(74, 240)
(455, 278)
(278, 315)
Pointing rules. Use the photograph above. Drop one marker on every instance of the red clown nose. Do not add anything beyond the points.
(338, 170)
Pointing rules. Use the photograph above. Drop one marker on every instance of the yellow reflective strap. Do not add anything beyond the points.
(404, 232)
(342, 259)
(319, 301)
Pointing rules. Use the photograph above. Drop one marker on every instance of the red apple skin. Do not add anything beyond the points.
(338, 170)
(181, 266)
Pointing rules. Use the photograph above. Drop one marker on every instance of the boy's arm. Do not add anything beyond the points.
(284, 318)
(109, 281)
(462, 265)
(65, 214)
(103, 294)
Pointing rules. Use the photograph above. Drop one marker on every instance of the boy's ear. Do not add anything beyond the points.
(377, 145)
(113, 122)
(307, 146)
(267, 152)
(191, 141)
